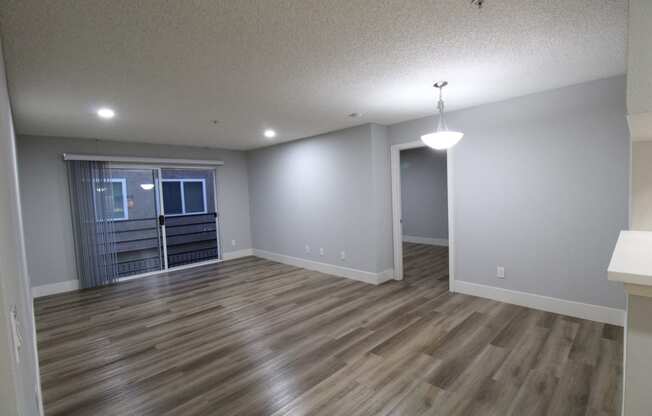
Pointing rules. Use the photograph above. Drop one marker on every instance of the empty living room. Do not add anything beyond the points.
(337, 208)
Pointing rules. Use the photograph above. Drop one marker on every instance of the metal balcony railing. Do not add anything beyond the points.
(139, 242)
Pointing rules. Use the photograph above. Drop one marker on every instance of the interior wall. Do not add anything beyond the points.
(327, 192)
(424, 189)
(639, 58)
(18, 373)
(549, 172)
(541, 187)
(46, 200)
(638, 342)
(642, 185)
(382, 192)
(639, 109)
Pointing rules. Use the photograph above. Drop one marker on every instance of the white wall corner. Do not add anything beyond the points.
(425, 240)
(385, 276)
(334, 270)
(581, 310)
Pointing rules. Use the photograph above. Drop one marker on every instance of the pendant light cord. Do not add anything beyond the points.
(441, 125)
(440, 103)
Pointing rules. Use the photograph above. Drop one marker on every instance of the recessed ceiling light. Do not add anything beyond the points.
(105, 113)
(269, 133)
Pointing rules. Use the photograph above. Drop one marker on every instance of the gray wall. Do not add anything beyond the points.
(382, 194)
(46, 204)
(541, 187)
(18, 381)
(329, 191)
(424, 202)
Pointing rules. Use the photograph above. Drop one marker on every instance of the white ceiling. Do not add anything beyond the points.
(298, 66)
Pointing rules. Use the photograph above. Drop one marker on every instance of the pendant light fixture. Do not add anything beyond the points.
(442, 138)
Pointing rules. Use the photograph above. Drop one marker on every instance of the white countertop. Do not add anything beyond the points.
(631, 262)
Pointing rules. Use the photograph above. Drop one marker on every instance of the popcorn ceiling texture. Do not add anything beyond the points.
(298, 66)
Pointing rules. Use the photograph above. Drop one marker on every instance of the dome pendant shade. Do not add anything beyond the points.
(442, 138)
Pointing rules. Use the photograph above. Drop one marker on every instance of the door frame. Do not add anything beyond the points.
(397, 227)
(218, 238)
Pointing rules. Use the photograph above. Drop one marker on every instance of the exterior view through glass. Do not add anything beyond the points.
(190, 215)
(183, 197)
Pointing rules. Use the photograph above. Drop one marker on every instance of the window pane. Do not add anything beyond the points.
(194, 195)
(118, 205)
(172, 197)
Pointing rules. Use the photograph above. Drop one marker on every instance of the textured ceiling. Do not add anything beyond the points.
(298, 66)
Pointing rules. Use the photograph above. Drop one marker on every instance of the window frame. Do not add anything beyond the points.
(183, 196)
(125, 202)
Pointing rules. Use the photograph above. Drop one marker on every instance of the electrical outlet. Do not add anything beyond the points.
(307, 249)
(233, 243)
(342, 255)
(500, 272)
(321, 251)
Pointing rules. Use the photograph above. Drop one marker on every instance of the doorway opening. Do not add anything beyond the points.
(422, 215)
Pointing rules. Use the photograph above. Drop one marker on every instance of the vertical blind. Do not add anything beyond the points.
(93, 209)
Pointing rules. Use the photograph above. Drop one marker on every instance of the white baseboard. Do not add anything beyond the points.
(425, 240)
(386, 276)
(354, 274)
(54, 288)
(589, 311)
(72, 285)
(237, 254)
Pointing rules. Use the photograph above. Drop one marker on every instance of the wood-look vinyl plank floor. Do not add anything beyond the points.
(255, 337)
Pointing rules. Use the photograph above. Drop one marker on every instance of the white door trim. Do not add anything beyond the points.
(397, 228)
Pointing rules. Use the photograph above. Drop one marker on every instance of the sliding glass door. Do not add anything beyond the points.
(190, 215)
(132, 219)
(164, 217)
(135, 211)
